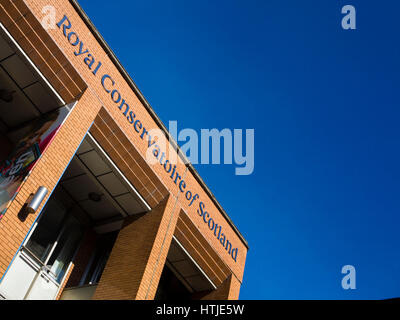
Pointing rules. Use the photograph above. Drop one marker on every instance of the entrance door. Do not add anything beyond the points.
(40, 266)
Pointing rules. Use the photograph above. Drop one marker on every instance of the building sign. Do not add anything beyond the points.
(31, 144)
(111, 88)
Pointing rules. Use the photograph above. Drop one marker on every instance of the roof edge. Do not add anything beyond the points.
(148, 107)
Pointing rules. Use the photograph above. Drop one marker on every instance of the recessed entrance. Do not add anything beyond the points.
(30, 115)
(182, 277)
(78, 226)
(83, 214)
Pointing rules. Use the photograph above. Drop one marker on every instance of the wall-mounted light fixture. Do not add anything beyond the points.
(36, 199)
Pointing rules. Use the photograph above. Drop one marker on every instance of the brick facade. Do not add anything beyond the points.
(139, 253)
(46, 172)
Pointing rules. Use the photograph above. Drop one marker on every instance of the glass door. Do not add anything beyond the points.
(65, 248)
(41, 264)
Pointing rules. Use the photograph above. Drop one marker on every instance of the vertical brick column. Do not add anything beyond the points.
(139, 253)
(46, 172)
(228, 290)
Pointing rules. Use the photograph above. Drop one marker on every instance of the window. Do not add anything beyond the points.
(47, 231)
(55, 239)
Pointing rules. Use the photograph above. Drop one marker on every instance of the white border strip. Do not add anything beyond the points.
(195, 263)
(32, 64)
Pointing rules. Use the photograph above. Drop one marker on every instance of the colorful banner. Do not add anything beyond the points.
(27, 151)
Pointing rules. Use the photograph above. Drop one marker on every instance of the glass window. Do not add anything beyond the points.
(56, 238)
(47, 230)
(66, 246)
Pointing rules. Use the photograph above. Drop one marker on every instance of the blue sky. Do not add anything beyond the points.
(324, 103)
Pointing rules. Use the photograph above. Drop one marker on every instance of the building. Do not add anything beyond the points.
(85, 214)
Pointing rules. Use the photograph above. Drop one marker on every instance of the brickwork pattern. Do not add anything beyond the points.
(138, 257)
(46, 172)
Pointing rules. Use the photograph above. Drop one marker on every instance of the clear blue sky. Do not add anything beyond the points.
(324, 103)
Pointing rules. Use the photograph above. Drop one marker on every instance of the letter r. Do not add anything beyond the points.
(62, 21)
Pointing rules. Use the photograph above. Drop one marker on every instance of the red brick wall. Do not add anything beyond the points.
(135, 264)
(46, 173)
(50, 167)
(35, 41)
(78, 26)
